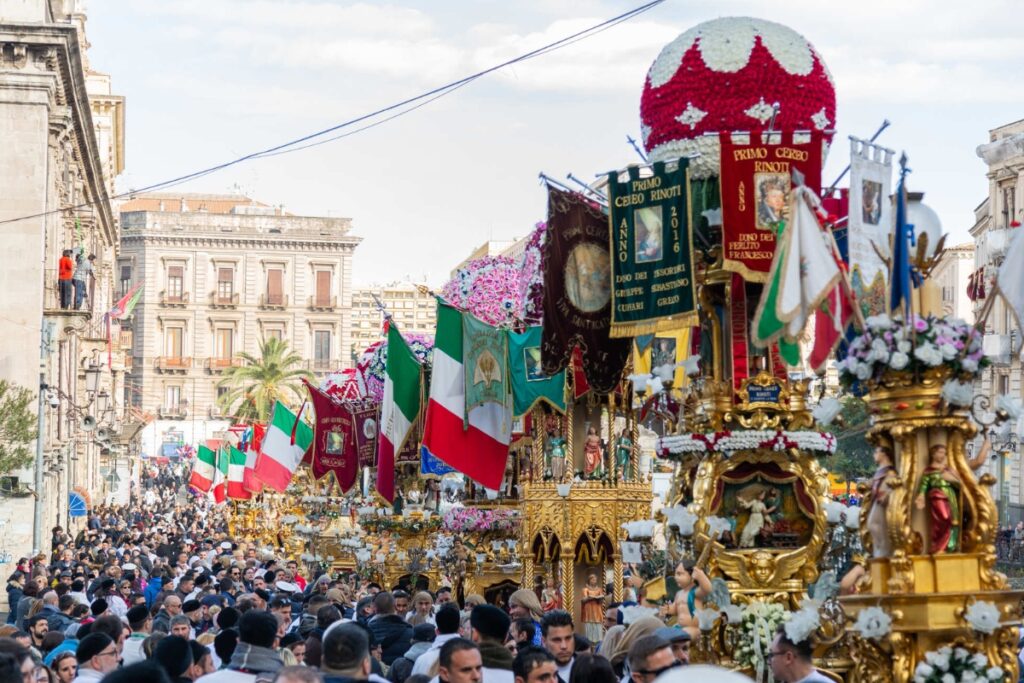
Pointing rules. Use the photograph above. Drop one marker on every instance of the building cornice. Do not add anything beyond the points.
(346, 245)
(60, 41)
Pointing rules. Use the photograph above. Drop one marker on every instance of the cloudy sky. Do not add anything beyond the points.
(207, 81)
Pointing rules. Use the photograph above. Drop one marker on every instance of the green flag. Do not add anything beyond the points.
(529, 383)
(484, 360)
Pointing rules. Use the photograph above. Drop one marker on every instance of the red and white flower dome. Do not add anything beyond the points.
(725, 75)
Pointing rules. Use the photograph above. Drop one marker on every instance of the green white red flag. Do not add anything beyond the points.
(250, 445)
(479, 451)
(236, 475)
(203, 468)
(220, 476)
(285, 443)
(399, 408)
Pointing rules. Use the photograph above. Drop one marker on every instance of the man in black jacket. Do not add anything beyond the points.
(392, 632)
(489, 631)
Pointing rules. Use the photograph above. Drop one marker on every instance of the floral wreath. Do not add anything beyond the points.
(730, 442)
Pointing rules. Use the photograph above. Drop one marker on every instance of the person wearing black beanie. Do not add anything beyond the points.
(224, 645)
(174, 654)
(489, 630)
(97, 656)
(148, 671)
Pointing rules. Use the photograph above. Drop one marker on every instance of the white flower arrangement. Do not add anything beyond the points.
(706, 618)
(1011, 405)
(873, 622)
(681, 518)
(726, 44)
(636, 612)
(949, 665)
(643, 528)
(957, 393)
(757, 630)
(833, 511)
(729, 442)
(886, 345)
(691, 366)
(983, 616)
(802, 623)
(718, 526)
(827, 410)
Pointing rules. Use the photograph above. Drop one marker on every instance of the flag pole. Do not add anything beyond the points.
(831, 188)
(844, 275)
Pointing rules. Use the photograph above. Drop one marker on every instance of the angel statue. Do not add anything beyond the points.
(752, 498)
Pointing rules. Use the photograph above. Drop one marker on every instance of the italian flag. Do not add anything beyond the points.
(236, 475)
(399, 408)
(803, 273)
(285, 443)
(479, 451)
(203, 470)
(220, 476)
(252, 441)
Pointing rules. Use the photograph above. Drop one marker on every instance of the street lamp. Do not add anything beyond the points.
(102, 400)
(92, 378)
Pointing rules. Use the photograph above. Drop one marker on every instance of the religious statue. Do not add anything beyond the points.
(753, 498)
(623, 454)
(939, 490)
(592, 609)
(399, 504)
(556, 453)
(694, 587)
(592, 452)
(550, 596)
(880, 490)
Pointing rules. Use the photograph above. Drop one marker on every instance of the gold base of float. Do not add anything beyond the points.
(927, 596)
(574, 528)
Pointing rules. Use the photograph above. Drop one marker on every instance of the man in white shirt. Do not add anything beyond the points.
(448, 621)
(792, 662)
(139, 621)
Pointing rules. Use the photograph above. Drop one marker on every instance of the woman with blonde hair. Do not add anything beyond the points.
(523, 604)
(612, 638)
(422, 609)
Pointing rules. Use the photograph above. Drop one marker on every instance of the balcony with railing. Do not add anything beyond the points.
(322, 366)
(172, 413)
(273, 301)
(224, 299)
(218, 365)
(172, 364)
(52, 304)
(323, 303)
(174, 298)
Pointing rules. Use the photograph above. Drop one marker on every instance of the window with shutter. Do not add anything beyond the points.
(175, 283)
(126, 279)
(322, 349)
(173, 342)
(323, 288)
(225, 285)
(275, 287)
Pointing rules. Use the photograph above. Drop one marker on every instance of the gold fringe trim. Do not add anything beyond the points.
(741, 269)
(672, 324)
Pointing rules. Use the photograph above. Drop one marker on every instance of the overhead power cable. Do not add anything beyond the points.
(403, 107)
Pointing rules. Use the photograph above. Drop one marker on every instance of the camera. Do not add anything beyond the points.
(52, 397)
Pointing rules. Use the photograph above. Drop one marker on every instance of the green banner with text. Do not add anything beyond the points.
(652, 251)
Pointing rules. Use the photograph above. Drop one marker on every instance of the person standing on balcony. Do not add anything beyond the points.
(83, 273)
(66, 268)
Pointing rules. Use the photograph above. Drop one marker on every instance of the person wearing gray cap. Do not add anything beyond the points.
(680, 641)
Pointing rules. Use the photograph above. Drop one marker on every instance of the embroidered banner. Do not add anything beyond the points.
(755, 180)
(652, 251)
(577, 292)
(484, 354)
(529, 383)
(334, 446)
(869, 224)
(366, 420)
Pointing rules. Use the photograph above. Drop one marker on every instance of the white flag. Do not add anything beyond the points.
(1011, 275)
(810, 271)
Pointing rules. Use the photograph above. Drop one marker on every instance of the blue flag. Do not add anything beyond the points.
(900, 279)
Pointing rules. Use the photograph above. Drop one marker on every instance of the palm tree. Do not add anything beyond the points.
(254, 387)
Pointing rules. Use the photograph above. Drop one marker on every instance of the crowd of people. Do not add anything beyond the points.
(156, 591)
